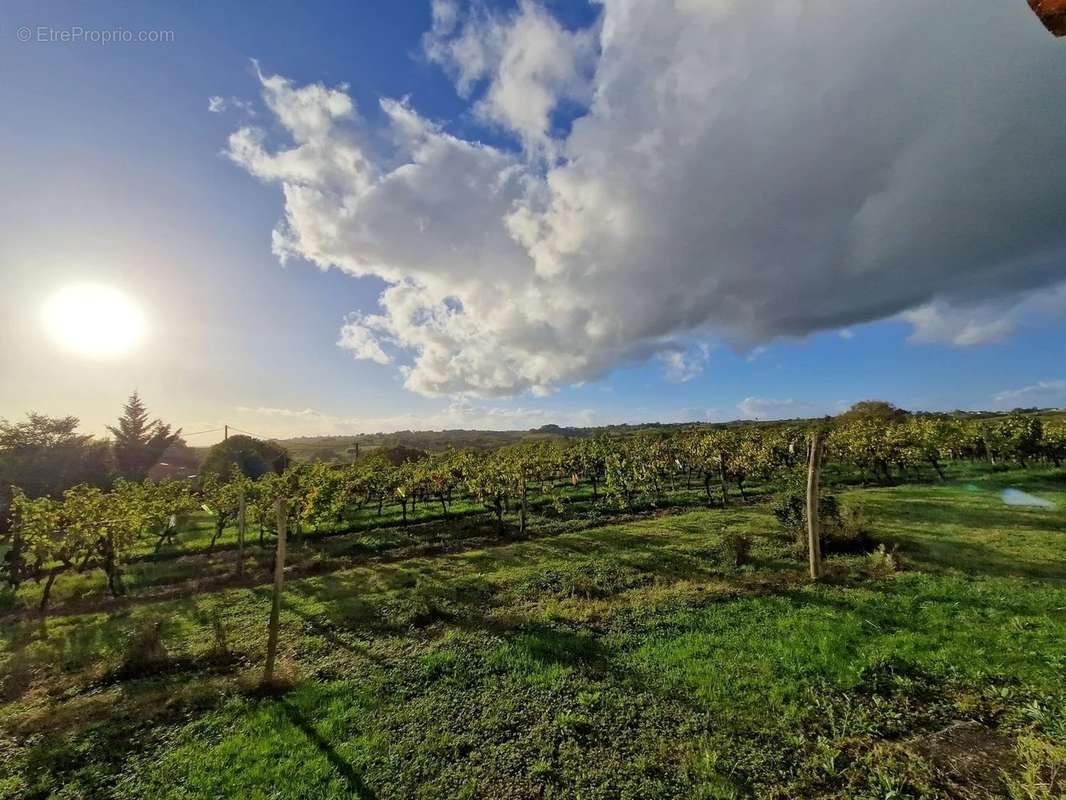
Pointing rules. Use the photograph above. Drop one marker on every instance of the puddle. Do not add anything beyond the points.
(1016, 497)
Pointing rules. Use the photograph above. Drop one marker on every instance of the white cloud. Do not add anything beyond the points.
(756, 353)
(529, 61)
(846, 333)
(965, 324)
(285, 422)
(277, 422)
(218, 104)
(940, 323)
(357, 336)
(741, 171)
(765, 408)
(1042, 394)
(681, 366)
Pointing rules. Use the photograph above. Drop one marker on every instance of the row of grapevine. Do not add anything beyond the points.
(87, 528)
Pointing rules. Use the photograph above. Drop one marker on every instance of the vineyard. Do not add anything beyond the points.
(523, 618)
(92, 529)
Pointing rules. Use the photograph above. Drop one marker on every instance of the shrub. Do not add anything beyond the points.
(220, 646)
(587, 581)
(881, 562)
(424, 606)
(1043, 770)
(431, 602)
(790, 508)
(143, 651)
(18, 677)
(734, 550)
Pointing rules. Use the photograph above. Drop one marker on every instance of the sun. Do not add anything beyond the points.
(94, 320)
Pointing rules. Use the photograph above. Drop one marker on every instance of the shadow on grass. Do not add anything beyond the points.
(354, 781)
(950, 511)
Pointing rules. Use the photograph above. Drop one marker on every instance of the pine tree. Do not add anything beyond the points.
(139, 444)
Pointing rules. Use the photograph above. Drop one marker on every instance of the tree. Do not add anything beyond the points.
(139, 443)
(44, 456)
(86, 529)
(588, 460)
(880, 410)
(223, 502)
(750, 459)
(246, 456)
(1018, 437)
(1055, 442)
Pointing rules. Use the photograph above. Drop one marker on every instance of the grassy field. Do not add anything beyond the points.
(607, 657)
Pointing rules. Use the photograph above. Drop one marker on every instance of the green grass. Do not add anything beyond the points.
(619, 661)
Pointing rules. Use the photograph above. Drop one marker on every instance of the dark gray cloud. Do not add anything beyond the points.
(742, 171)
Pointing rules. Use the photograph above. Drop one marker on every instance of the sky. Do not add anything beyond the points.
(372, 216)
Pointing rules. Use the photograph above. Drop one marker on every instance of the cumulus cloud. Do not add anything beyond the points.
(216, 104)
(736, 171)
(681, 366)
(528, 61)
(1042, 394)
(939, 323)
(358, 336)
(964, 325)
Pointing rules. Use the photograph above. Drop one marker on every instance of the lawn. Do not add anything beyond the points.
(619, 658)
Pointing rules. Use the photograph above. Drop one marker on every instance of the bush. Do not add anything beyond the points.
(587, 581)
(881, 562)
(431, 602)
(143, 651)
(18, 677)
(734, 550)
(220, 645)
(425, 610)
(790, 508)
(1043, 770)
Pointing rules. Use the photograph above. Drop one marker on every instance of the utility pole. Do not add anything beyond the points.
(225, 432)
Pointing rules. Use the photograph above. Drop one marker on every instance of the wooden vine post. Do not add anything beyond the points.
(279, 580)
(814, 542)
(522, 511)
(241, 508)
(722, 480)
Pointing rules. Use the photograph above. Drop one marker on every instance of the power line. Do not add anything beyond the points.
(249, 433)
(197, 433)
(223, 428)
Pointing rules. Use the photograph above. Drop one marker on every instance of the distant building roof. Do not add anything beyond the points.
(164, 470)
(1052, 13)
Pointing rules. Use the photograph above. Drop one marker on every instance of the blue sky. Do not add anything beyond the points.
(116, 172)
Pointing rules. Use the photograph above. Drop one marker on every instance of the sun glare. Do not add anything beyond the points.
(94, 320)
